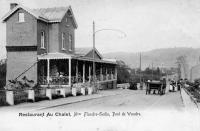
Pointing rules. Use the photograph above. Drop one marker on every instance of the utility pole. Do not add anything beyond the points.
(94, 32)
(140, 71)
(93, 53)
(152, 71)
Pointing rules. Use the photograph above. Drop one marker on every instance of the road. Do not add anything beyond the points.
(127, 100)
(156, 113)
(165, 112)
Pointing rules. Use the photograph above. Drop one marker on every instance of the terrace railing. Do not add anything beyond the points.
(109, 76)
(64, 80)
(53, 80)
(104, 77)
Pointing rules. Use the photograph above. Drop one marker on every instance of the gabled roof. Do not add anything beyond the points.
(85, 51)
(49, 15)
(82, 51)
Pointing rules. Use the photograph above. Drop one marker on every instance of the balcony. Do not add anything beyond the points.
(64, 80)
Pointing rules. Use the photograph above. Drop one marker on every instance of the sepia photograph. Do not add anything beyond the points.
(99, 65)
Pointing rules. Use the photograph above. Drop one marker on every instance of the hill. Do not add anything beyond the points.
(165, 57)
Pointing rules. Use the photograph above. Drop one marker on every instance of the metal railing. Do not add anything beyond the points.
(104, 77)
(109, 76)
(64, 80)
(195, 92)
(53, 80)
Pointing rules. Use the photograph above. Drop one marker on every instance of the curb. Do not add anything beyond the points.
(76, 101)
(188, 99)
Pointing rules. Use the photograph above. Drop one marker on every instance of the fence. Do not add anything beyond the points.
(195, 92)
(64, 80)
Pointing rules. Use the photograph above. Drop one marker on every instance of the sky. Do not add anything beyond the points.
(148, 24)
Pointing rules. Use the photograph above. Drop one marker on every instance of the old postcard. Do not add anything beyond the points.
(99, 65)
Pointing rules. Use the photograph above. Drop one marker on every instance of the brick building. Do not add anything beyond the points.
(41, 46)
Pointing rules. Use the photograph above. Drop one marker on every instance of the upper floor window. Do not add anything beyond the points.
(21, 17)
(66, 19)
(63, 41)
(70, 42)
(42, 39)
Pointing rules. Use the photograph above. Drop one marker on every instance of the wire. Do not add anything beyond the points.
(116, 30)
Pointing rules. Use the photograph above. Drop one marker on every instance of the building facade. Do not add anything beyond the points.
(41, 46)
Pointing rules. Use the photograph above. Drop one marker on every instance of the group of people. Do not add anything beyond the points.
(176, 85)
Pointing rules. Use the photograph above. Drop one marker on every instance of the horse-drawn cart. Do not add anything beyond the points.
(160, 86)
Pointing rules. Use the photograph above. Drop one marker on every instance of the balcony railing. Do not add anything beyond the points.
(64, 80)
(53, 80)
(109, 76)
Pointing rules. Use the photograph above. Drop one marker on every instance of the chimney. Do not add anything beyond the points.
(13, 5)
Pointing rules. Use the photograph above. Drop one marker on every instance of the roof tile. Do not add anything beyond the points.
(52, 14)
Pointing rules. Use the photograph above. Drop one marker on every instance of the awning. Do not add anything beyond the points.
(108, 61)
(54, 56)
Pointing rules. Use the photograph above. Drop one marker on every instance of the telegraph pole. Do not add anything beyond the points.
(140, 71)
(152, 71)
(94, 32)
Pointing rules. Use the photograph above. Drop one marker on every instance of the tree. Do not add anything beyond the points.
(123, 72)
(2, 73)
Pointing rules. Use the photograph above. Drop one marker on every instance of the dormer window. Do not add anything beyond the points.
(42, 40)
(21, 17)
(63, 41)
(70, 42)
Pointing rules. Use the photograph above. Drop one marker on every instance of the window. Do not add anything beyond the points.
(42, 39)
(63, 41)
(66, 19)
(70, 42)
(21, 17)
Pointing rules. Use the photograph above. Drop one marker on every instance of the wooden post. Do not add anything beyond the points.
(70, 78)
(48, 70)
(77, 71)
(83, 72)
(106, 73)
(115, 72)
(101, 75)
(89, 74)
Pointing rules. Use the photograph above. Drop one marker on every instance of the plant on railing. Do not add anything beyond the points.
(24, 84)
(76, 79)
